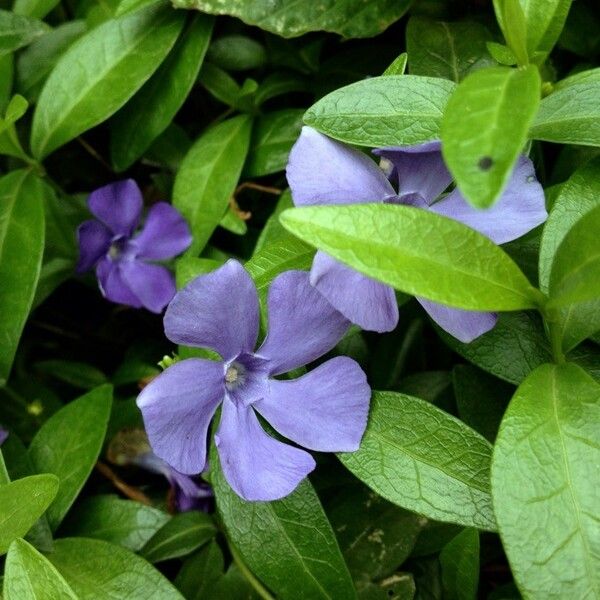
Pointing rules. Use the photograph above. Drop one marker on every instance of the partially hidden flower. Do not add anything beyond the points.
(125, 258)
(3, 435)
(131, 447)
(323, 171)
(324, 410)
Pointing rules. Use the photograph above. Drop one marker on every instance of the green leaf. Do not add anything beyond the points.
(150, 111)
(209, 175)
(100, 72)
(220, 84)
(398, 65)
(97, 570)
(81, 375)
(109, 518)
(237, 53)
(571, 114)
(68, 445)
(511, 19)
(181, 535)
(30, 576)
(502, 54)
(189, 267)
(7, 68)
(273, 231)
(288, 544)
(22, 196)
(425, 460)
(391, 110)
(448, 50)
(416, 252)
(460, 566)
(200, 572)
(17, 31)
(289, 18)
(545, 479)
(22, 503)
(575, 274)
(273, 136)
(483, 135)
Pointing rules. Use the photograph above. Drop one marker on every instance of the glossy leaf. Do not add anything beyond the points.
(181, 535)
(30, 576)
(482, 134)
(100, 72)
(22, 503)
(97, 570)
(209, 175)
(68, 445)
(460, 566)
(288, 18)
(288, 544)
(22, 196)
(150, 111)
(416, 252)
(423, 459)
(17, 31)
(392, 110)
(544, 478)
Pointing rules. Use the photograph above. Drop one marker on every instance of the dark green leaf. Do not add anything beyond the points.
(416, 252)
(199, 573)
(460, 566)
(81, 375)
(545, 479)
(423, 459)
(237, 53)
(68, 445)
(17, 31)
(392, 110)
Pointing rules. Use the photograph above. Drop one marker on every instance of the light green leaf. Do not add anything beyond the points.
(391, 110)
(22, 503)
(417, 252)
(288, 544)
(398, 65)
(425, 460)
(483, 135)
(97, 570)
(181, 535)
(545, 479)
(273, 136)
(150, 111)
(575, 274)
(448, 50)
(511, 19)
(189, 267)
(460, 566)
(100, 72)
(209, 175)
(273, 231)
(22, 196)
(68, 445)
(502, 54)
(289, 18)
(109, 518)
(571, 114)
(30, 576)
(17, 31)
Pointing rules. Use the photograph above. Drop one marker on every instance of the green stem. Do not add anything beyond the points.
(254, 582)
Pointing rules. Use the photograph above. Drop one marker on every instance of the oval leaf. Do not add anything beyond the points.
(482, 134)
(68, 445)
(423, 459)
(100, 72)
(17, 31)
(417, 252)
(460, 566)
(545, 479)
(391, 110)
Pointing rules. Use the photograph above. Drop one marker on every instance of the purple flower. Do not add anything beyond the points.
(3, 435)
(323, 171)
(123, 258)
(324, 410)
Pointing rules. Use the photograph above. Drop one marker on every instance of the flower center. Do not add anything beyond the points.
(235, 375)
(117, 248)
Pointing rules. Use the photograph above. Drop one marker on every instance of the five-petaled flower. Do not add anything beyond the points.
(323, 171)
(324, 410)
(123, 258)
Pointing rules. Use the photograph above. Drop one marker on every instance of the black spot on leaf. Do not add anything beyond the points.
(485, 163)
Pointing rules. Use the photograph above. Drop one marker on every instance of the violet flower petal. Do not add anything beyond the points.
(520, 208)
(118, 205)
(464, 325)
(302, 323)
(218, 311)
(112, 284)
(177, 408)
(3, 435)
(323, 171)
(153, 285)
(94, 241)
(324, 410)
(368, 303)
(418, 169)
(257, 466)
(165, 233)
